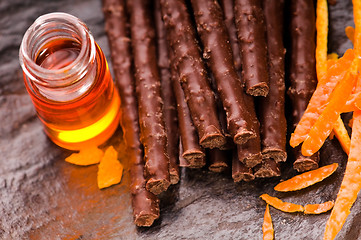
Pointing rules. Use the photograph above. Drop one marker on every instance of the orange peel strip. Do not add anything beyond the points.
(357, 20)
(339, 129)
(357, 101)
(324, 124)
(353, 102)
(351, 183)
(357, 37)
(320, 97)
(280, 205)
(318, 208)
(350, 33)
(86, 156)
(110, 170)
(267, 227)
(331, 57)
(321, 38)
(306, 179)
(342, 135)
(332, 135)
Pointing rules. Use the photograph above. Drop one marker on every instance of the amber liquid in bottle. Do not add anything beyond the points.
(89, 119)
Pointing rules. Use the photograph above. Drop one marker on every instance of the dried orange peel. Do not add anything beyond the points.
(339, 129)
(318, 208)
(341, 134)
(267, 227)
(330, 117)
(331, 57)
(280, 205)
(110, 170)
(319, 118)
(321, 38)
(85, 157)
(351, 183)
(320, 97)
(350, 33)
(324, 124)
(353, 103)
(306, 179)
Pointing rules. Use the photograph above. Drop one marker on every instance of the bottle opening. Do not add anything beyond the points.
(56, 50)
(58, 54)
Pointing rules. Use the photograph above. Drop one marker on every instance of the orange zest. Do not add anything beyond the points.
(324, 124)
(350, 33)
(351, 183)
(306, 179)
(353, 103)
(267, 227)
(321, 38)
(331, 136)
(110, 170)
(320, 97)
(280, 205)
(318, 208)
(341, 134)
(322, 65)
(331, 57)
(339, 128)
(86, 156)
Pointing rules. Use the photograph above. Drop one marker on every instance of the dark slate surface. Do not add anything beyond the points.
(43, 197)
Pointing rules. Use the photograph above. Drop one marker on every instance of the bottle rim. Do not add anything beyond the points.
(65, 75)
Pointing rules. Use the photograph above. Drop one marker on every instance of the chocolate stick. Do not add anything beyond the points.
(145, 204)
(182, 161)
(302, 76)
(248, 154)
(192, 152)
(218, 52)
(228, 14)
(169, 102)
(192, 73)
(252, 41)
(268, 168)
(271, 109)
(239, 171)
(193, 162)
(218, 160)
(152, 127)
(221, 116)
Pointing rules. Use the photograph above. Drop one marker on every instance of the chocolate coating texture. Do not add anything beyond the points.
(252, 41)
(249, 153)
(150, 105)
(271, 109)
(169, 102)
(191, 151)
(218, 53)
(145, 204)
(302, 77)
(192, 73)
(240, 172)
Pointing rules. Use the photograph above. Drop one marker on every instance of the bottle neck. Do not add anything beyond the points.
(58, 57)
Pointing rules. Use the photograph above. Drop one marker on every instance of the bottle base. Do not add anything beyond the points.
(93, 135)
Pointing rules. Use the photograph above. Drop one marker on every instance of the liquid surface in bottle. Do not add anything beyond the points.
(59, 54)
(89, 119)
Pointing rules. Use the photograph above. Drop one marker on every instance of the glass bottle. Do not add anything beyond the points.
(68, 80)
